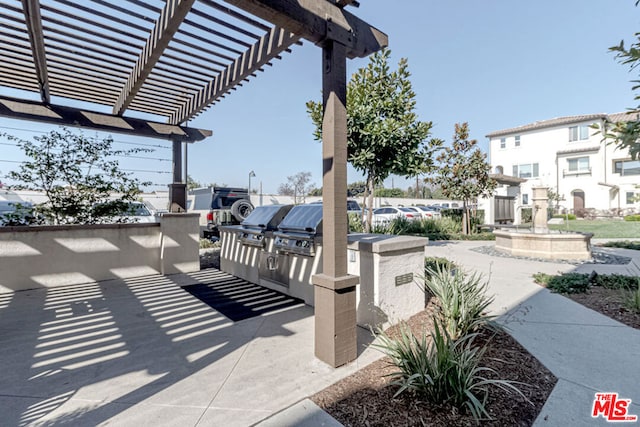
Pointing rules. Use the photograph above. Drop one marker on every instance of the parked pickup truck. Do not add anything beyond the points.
(221, 206)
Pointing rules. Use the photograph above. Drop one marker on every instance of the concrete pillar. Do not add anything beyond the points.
(334, 289)
(179, 245)
(177, 189)
(540, 205)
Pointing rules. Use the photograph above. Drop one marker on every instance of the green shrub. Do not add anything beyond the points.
(568, 283)
(631, 300)
(626, 244)
(542, 279)
(402, 225)
(570, 217)
(462, 299)
(442, 370)
(448, 225)
(355, 223)
(435, 263)
(632, 217)
(616, 281)
(435, 229)
(207, 244)
(477, 236)
(526, 215)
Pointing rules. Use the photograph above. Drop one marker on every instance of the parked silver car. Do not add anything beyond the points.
(429, 213)
(383, 216)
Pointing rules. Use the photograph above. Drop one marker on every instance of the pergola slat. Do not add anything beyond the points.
(264, 50)
(171, 17)
(31, 10)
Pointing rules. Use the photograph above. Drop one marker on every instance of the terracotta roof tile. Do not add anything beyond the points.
(548, 123)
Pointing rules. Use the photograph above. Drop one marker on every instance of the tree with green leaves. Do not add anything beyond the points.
(192, 183)
(384, 135)
(626, 134)
(356, 189)
(463, 172)
(389, 192)
(79, 176)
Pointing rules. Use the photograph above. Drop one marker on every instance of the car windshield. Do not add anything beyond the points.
(406, 209)
(138, 210)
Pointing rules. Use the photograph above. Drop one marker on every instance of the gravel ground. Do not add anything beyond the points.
(598, 256)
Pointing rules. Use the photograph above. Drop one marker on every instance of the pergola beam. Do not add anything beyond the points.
(67, 116)
(33, 19)
(171, 17)
(264, 50)
(318, 21)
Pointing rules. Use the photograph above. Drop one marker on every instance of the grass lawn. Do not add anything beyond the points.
(603, 229)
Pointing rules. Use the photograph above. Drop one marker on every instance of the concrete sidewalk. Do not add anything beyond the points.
(587, 351)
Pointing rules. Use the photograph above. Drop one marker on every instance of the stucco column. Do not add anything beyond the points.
(540, 205)
(334, 289)
(177, 189)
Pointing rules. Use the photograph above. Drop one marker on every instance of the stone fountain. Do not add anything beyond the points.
(540, 242)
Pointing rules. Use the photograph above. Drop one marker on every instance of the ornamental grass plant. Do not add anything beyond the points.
(444, 366)
(462, 299)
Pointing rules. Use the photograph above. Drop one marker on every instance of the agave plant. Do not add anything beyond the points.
(462, 299)
(442, 369)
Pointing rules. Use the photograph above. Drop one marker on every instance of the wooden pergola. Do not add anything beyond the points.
(175, 59)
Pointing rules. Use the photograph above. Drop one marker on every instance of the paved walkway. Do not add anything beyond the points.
(144, 352)
(587, 351)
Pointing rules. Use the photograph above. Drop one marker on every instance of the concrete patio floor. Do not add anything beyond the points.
(142, 351)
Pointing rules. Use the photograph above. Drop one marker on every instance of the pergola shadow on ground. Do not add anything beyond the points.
(174, 59)
(144, 350)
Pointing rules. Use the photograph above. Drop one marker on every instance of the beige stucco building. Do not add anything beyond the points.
(570, 156)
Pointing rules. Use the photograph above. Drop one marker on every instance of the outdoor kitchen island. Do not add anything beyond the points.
(285, 256)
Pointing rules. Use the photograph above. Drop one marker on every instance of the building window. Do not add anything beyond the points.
(525, 199)
(579, 164)
(626, 167)
(578, 133)
(499, 170)
(527, 170)
(517, 141)
(503, 142)
(631, 197)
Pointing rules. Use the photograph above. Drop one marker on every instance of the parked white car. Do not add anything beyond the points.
(429, 213)
(383, 216)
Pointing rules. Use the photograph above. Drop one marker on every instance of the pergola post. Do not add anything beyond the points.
(334, 289)
(177, 189)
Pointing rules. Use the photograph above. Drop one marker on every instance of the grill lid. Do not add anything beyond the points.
(305, 219)
(266, 218)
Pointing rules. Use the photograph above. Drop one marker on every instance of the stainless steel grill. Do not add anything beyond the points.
(261, 220)
(298, 231)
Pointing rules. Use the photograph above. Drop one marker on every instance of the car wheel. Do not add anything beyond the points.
(241, 209)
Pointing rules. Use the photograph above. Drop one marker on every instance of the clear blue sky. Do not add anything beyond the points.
(494, 64)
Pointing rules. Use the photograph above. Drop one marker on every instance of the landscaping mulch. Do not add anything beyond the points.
(366, 397)
(608, 302)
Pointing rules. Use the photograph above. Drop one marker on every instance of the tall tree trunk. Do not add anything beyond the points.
(371, 190)
(465, 218)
